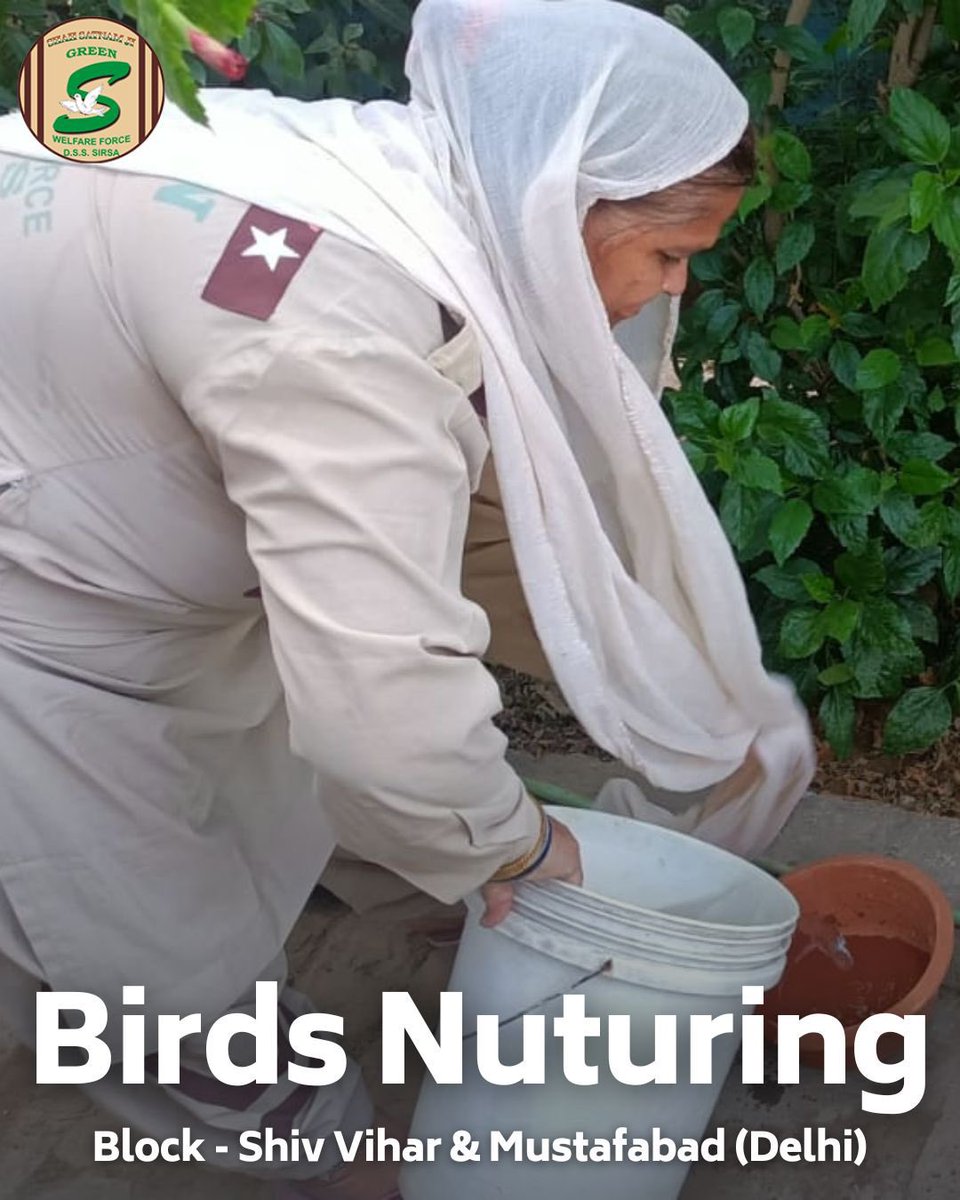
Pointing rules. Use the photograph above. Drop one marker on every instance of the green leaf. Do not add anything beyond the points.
(899, 513)
(855, 494)
(946, 222)
(838, 719)
(326, 43)
(885, 201)
(926, 200)
(840, 619)
(791, 156)
(953, 287)
(798, 432)
(879, 368)
(919, 718)
(936, 352)
(920, 478)
(850, 532)
(756, 470)
(922, 130)
(222, 19)
(922, 618)
(936, 403)
(764, 361)
(758, 285)
(882, 411)
(706, 305)
(723, 322)
(281, 54)
(862, 325)
(802, 633)
(251, 43)
(694, 413)
(162, 28)
(819, 587)
(844, 359)
(737, 421)
(757, 86)
(862, 573)
(788, 529)
(905, 445)
(891, 257)
(741, 509)
(816, 334)
(753, 198)
(880, 672)
(908, 570)
(785, 334)
(951, 568)
(836, 675)
(932, 522)
(786, 582)
(736, 27)
(790, 194)
(794, 245)
(883, 625)
(951, 523)
(801, 45)
(862, 19)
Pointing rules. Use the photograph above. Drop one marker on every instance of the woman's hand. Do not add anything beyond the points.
(563, 862)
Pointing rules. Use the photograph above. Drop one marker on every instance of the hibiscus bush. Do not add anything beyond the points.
(820, 359)
(819, 354)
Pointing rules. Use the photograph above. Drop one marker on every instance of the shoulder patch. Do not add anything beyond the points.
(264, 253)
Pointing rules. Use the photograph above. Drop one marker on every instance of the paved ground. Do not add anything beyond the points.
(346, 961)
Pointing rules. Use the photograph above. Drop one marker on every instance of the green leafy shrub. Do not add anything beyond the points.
(825, 423)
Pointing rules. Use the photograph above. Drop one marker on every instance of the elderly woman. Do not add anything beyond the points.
(251, 376)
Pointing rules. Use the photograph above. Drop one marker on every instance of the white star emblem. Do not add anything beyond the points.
(271, 247)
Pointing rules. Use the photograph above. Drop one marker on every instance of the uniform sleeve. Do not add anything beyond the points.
(343, 453)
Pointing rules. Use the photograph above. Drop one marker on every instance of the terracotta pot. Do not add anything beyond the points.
(898, 927)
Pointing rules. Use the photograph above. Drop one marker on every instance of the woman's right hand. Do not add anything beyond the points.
(562, 862)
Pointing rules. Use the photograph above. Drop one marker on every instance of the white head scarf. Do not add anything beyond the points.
(522, 114)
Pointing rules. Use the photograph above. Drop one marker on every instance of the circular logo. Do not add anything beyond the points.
(91, 89)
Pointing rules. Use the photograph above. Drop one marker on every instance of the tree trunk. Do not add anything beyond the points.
(796, 15)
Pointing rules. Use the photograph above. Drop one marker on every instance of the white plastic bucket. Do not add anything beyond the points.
(664, 924)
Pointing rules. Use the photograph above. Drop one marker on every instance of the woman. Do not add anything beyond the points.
(239, 446)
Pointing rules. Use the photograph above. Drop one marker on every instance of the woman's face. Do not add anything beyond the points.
(634, 262)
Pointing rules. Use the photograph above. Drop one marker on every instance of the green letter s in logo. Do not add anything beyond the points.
(113, 74)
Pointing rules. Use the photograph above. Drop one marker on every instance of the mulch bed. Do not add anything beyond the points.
(535, 719)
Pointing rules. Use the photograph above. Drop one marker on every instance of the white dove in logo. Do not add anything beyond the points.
(85, 106)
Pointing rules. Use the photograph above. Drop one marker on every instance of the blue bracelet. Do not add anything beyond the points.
(544, 851)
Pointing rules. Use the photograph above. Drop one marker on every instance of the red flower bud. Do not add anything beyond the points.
(225, 61)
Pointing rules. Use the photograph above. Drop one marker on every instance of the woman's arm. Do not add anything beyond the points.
(343, 453)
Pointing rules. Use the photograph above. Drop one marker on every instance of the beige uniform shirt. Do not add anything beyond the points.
(236, 460)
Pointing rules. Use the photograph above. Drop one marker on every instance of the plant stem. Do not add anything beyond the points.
(773, 221)
(911, 45)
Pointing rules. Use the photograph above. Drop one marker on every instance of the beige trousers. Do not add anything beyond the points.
(491, 580)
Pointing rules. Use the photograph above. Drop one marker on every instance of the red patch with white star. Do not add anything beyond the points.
(255, 269)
